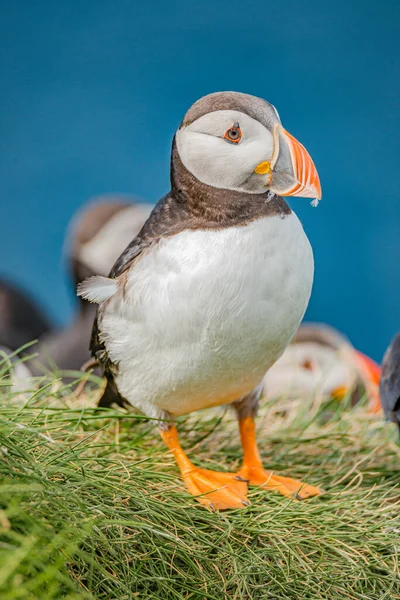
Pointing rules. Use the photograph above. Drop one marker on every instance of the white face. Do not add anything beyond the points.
(221, 163)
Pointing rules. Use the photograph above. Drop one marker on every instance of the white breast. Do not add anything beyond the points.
(206, 313)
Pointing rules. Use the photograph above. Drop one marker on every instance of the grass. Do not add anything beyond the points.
(91, 505)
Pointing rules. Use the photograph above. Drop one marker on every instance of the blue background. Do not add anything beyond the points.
(92, 92)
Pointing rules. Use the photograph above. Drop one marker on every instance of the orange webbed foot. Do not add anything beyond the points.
(218, 491)
(287, 486)
(253, 471)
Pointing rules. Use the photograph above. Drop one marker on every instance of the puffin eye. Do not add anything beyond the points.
(233, 134)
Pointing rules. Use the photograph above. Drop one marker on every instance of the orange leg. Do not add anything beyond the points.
(216, 490)
(254, 472)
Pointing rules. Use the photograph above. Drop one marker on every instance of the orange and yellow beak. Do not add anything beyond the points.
(292, 171)
(370, 373)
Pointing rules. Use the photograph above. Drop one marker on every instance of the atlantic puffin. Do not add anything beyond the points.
(390, 381)
(321, 362)
(22, 320)
(211, 291)
(96, 236)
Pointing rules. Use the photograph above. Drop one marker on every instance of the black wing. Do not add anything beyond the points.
(168, 217)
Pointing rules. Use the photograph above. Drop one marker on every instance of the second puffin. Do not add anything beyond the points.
(213, 288)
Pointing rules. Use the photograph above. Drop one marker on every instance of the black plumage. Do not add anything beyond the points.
(21, 320)
(389, 387)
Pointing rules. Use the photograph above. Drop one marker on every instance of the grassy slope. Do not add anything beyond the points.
(92, 506)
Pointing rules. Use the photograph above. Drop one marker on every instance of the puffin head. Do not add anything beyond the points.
(235, 141)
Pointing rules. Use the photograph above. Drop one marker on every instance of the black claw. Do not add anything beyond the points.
(239, 478)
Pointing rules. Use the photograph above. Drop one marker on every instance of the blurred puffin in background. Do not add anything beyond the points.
(96, 236)
(21, 319)
(390, 381)
(321, 362)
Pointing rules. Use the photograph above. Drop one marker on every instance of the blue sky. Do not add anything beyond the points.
(92, 93)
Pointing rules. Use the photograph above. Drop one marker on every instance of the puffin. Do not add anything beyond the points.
(96, 236)
(211, 291)
(389, 385)
(321, 362)
(21, 319)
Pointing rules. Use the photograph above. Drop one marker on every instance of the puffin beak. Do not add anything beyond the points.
(370, 373)
(340, 392)
(293, 172)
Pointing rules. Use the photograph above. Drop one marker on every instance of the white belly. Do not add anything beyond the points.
(206, 313)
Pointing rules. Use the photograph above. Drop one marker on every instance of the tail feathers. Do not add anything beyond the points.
(97, 289)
